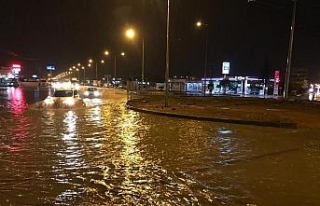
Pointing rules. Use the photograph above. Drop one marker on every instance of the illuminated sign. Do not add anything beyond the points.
(16, 69)
(16, 66)
(277, 76)
(225, 67)
(51, 67)
(276, 82)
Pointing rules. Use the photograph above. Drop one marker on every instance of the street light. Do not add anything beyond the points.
(77, 69)
(70, 73)
(115, 64)
(107, 53)
(74, 68)
(289, 56)
(199, 24)
(167, 56)
(84, 75)
(130, 34)
(288, 68)
(96, 66)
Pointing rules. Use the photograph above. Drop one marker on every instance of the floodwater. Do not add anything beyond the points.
(108, 155)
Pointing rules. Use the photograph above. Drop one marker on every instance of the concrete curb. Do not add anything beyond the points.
(287, 125)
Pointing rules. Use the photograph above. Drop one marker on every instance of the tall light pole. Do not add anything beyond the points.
(200, 24)
(84, 75)
(97, 71)
(115, 68)
(142, 62)
(70, 73)
(74, 68)
(167, 56)
(130, 34)
(77, 69)
(289, 56)
(96, 66)
(107, 53)
(288, 68)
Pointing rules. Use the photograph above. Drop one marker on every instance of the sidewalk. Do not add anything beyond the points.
(238, 110)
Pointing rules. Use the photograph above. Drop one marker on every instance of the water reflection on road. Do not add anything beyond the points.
(107, 155)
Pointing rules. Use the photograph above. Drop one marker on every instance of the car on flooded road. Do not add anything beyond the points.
(63, 98)
(91, 92)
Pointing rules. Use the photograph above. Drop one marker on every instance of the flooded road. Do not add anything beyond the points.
(108, 155)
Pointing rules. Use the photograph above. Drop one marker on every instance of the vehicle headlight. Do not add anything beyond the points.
(48, 101)
(76, 86)
(86, 93)
(96, 93)
(69, 102)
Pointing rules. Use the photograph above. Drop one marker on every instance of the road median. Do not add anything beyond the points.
(235, 110)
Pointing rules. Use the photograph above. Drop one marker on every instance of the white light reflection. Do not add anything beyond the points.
(95, 115)
(70, 122)
(70, 154)
(227, 145)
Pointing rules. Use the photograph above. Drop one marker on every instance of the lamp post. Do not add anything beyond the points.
(130, 34)
(74, 68)
(107, 53)
(77, 69)
(70, 73)
(289, 57)
(167, 56)
(115, 65)
(84, 75)
(200, 24)
(96, 66)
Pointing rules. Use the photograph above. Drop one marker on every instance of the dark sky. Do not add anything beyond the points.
(253, 36)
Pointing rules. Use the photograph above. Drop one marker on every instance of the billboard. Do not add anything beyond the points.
(51, 67)
(225, 67)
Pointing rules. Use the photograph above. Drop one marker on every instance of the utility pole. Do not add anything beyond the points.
(167, 57)
(288, 68)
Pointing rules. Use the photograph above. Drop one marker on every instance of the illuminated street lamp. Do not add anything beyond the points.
(77, 69)
(96, 66)
(70, 73)
(130, 34)
(84, 75)
(74, 69)
(199, 24)
(115, 64)
(107, 53)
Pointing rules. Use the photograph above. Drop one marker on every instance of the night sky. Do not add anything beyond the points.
(253, 37)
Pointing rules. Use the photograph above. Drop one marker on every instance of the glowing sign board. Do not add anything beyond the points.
(16, 69)
(225, 67)
(51, 67)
